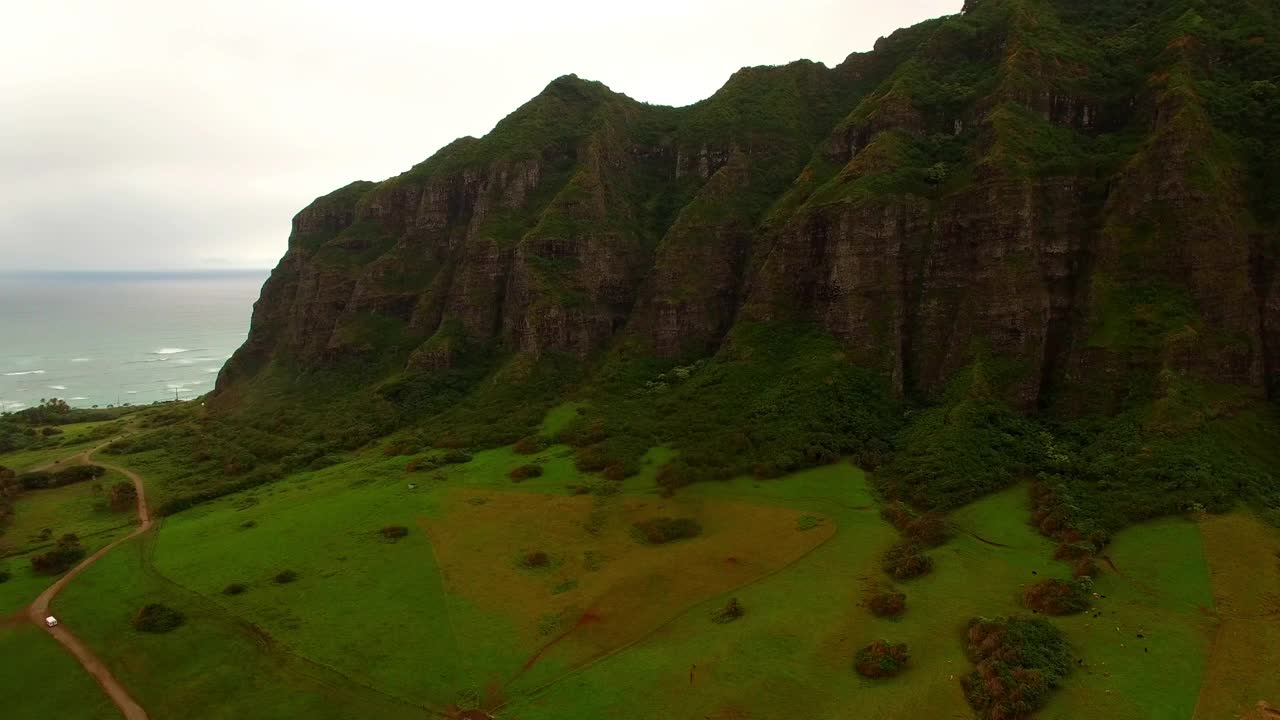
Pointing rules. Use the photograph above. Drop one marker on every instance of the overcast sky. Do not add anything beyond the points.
(154, 135)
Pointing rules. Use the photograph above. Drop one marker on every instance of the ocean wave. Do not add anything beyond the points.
(24, 372)
(78, 397)
(169, 351)
(80, 360)
(212, 370)
(130, 392)
(57, 387)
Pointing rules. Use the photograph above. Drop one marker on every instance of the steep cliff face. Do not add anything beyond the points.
(1060, 186)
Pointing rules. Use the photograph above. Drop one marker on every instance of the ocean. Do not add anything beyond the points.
(111, 338)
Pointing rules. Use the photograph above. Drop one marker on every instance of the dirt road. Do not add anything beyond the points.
(40, 608)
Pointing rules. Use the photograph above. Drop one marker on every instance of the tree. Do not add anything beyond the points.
(123, 496)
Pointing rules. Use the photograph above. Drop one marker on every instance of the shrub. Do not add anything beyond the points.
(897, 514)
(123, 496)
(881, 659)
(906, 560)
(234, 589)
(659, 531)
(534, 559)
(157, 618)
(930, 530)
(731, 611)
(1084, 567)
(455, 457)
(35, 480)
(61, 558)
(1018, 661)
(285, 576)
(524, 472)
(394, 532)
(529, 444)
(77, 473)
(887, 603)
(5, 575)
(1057, 597)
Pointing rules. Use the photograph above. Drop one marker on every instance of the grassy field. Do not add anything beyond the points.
(77, 509)
(80, 508)
(38, 679)
(1244, 559)
(75, 437)
(448, 617)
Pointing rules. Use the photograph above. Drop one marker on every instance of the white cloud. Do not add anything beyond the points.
(148, 134)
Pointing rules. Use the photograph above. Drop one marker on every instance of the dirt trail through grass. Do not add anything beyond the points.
(39, 609)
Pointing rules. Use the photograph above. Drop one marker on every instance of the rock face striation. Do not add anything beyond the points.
(1083, 191)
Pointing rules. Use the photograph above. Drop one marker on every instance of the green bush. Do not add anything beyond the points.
(158, 618)
(284, 577)
(235, 589)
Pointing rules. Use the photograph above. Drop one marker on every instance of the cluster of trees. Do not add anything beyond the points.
(64, 555)
(41, 480)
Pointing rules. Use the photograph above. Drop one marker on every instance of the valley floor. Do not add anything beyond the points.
(455, 620)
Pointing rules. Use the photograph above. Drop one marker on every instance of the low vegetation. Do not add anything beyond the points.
(284, 577)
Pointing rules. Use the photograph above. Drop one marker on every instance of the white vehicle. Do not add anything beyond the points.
(51, 621)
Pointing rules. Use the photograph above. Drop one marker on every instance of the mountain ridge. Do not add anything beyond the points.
(1057, 206)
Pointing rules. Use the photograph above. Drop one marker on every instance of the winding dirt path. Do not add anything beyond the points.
(40, 608)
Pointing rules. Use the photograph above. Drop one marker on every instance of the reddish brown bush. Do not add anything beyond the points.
(1057, 597)
(524, 472)
(1084, 567)
(906, 560)
(881, 659)
(615, 472)
(887, 603)
(898, 515)
(529, 445)
(534, 559)
(394, 532)
(930, 530)
(1018, 661)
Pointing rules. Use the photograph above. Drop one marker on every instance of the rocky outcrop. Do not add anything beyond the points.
(1036, 182)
